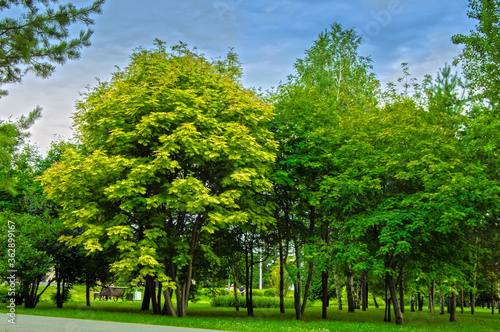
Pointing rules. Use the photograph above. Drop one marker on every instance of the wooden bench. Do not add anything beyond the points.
(111, 292)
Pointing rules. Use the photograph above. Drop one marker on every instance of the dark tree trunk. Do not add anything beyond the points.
(58, 294)
(491, 295)
(453, 307)
(146, 299)
(401, 292)
(306, 289)
(431, 297)
(150, 282)
(441, 303)
(87, 290)
(348, 288)
(412, 304)
(398, 315)
(387, 315)
(236, 290)
(249, 278)
(282, 278)
(472, 302)
(418, 298)
(375, 301)
(168, 306)
(158, 298)
(462, 300)
(364, 295)
(358, 294)
(324, 286)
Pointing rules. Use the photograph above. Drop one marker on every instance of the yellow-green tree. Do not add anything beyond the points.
(171, 148)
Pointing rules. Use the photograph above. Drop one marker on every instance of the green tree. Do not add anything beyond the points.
(331, 81)
(40, 36)
(480, 58)
(173, 147)
(12, 137)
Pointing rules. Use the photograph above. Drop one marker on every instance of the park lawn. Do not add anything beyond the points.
(201, 315)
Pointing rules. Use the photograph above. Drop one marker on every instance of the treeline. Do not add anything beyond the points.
(178, 173)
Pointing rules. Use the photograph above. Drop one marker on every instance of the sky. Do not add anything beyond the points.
(268, 36)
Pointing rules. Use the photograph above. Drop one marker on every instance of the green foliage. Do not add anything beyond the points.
(40, 36)
(213, 292)
(258, 302)
(66, 296)
(12, 135)
(480, 57)
(173, 149)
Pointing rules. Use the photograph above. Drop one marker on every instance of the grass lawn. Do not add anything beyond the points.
(201, 315)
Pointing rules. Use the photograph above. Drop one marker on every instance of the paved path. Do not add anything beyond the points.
(26, 323)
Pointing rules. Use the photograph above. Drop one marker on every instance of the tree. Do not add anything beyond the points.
(12, 137)
(173, 148)
(330, 81)
(40, 36)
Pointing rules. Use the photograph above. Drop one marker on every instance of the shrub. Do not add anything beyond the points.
(4, 295)
(257, 292)
(212, 292)
(269, 292)
(258, 302)
(65, 294)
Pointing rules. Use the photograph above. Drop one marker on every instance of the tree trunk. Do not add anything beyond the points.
(364, 298)
(235, 269)
(431, 298)
(146, 299)
(401, 291)
(168, 306)
(324, 286)
(418, 298)
(249, 279)
(337, 289)
(453, 307)
(412, 304)
(462, 300)
(150, 282)
(358, 294)
(441, 303)
(375, 301)
(87, 290)
(306, 289)
(387, 314)
(158, 298)
(348, 288)
(58, 294)
(398, 315)
(491, 295)
(282, 278)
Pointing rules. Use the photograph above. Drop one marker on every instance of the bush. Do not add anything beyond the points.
(4, 295)
(212, 292)
(65, 294)
(258, 302)
(257, 292)
(270, 292)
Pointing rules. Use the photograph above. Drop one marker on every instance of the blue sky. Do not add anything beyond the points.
(268, 35)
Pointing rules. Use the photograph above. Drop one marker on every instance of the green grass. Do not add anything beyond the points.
(201, 315)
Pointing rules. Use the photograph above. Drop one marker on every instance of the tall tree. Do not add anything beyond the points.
(40, 35)
(173, 147)
(330, 81)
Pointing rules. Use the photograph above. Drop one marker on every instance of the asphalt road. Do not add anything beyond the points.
(27, 323)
